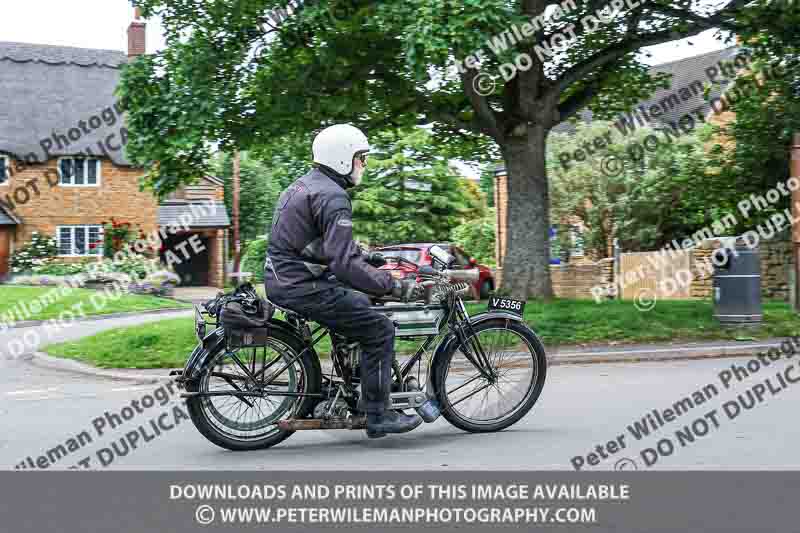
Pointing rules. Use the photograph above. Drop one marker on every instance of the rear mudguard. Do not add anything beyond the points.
(213, 343)
(450, 339)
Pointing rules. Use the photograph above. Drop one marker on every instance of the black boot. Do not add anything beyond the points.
(391, 422)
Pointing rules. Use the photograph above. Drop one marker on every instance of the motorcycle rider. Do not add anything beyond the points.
(313, 265)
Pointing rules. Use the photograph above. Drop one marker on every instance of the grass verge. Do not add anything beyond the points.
(43, 303)
(167, 344)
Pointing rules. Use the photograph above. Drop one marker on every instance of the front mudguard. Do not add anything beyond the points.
(211, 346)
(449, 341)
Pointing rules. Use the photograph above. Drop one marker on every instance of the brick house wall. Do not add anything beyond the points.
(118, 195)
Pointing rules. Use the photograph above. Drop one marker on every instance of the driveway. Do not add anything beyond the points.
(195, 295)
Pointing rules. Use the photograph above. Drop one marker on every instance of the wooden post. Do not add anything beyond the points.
(617, 270)
(237, 245)
(794, 167)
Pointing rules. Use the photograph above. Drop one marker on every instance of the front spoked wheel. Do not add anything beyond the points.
(249, 422)
(475, 402)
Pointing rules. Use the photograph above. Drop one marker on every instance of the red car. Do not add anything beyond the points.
(418, 253)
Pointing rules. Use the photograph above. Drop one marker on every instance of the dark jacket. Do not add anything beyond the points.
(312, 240)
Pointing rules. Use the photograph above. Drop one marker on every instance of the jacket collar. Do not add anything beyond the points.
(340, 180)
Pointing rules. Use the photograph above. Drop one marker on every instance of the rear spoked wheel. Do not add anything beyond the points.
(475, 402)
(250, 422)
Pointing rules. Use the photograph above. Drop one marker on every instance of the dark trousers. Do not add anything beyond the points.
(348, 313)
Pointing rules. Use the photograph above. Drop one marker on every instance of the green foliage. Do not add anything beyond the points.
(261, 183)
(752, 151)
(650, 201)
(62, 269)
(117, 236)
(562, 245)
(135, 265)
(405, 174)
(771, 27)
(253, 259)
(38, 253)
(487, 184)
(160, 283)
(410, 193)
(231, 76)
(477, 238)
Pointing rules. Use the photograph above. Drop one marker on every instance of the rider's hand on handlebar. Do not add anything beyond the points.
(375, 259)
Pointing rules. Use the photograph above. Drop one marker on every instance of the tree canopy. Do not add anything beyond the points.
(644, 203)
(751, 152)
(235, 75)
(410, 193)
(260, 186)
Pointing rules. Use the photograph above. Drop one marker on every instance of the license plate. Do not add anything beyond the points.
(506, 304)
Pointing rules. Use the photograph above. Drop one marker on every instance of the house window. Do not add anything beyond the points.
(4, 169)
(80, 240)
(79, 171)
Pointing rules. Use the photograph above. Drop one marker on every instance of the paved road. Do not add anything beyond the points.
(581, 407)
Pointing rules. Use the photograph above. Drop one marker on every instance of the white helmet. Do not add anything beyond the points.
(336, 146)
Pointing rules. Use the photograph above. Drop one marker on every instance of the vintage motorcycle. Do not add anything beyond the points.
(250, 388)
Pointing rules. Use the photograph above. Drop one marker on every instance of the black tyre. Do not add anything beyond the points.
(486, 289)
(469, 401)
(251, 423)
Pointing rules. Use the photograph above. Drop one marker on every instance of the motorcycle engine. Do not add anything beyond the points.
(348, 354)
(339, 410)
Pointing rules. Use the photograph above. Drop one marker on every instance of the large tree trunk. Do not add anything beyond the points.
(526, 266)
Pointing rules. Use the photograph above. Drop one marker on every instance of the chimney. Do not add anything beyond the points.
(136, 37)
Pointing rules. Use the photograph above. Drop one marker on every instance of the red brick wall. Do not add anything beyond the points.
(118, 195)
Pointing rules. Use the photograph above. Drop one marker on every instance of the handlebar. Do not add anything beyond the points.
(470, 275)
(400, 260)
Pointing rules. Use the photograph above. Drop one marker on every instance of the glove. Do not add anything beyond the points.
(406, 290)
(375, 259)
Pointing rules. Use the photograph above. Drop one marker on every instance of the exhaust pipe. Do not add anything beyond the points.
(470, 275)
(308, 424)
